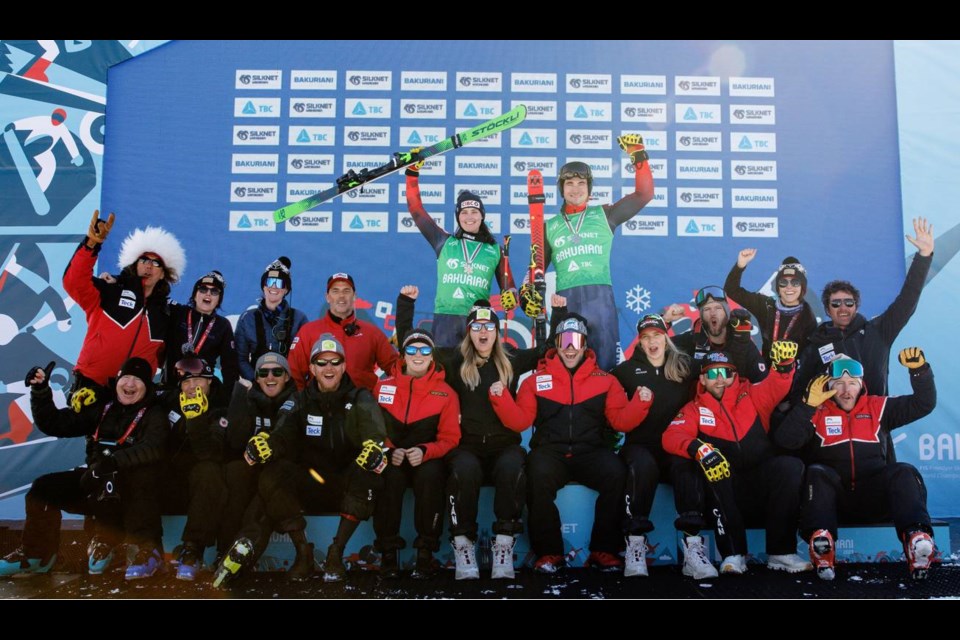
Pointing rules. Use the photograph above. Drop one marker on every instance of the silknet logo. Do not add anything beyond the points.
(646, 226)
(643, 112)
(489, 193)
(753, 114)
(313, 108)
(700, 198)
(658, 168)
(697, 86)
(264, 136)
(698, 141)
(366, 136)
(755, 228)
(751, 87)
(588, 83)
(258, 79)
(538, 109)
(298, 163)
(314, 221)
(753, 170)
(370, 193)
(488, 81)
(253, 192)
(301, 80)
(521, 165)
(369, 80)
(589, 139)
(643, 85)
(435, 109)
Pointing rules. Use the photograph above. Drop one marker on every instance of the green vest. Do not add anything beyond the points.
(581, 260)
(462, 281)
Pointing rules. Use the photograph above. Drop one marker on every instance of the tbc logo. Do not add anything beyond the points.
(296, 222)
(407, 222)
(410, 108)
(630, 111)
(465, 81)
(738, 114)
(631, 224)
(685, 141)
(740, 169)
(354, 80)
(520, 165)
(354, 135)
(575, 83)
(685, 85)
(240, 191)
(520, 223)
(741, 226)
(245, 79)
(243, 135)
(296, 163)
(299, 107)
(686, 197)
(575, 138)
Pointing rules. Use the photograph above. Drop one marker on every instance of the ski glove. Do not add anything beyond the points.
(817, 392)
(740, 321)
(414, 169)
(194, 406)
(372, 457)
(715, 466)
(508, 299)
(911, 358)
(46, 377)
(99, 229)
(258, 449)
(531, 300)
(783, 355)
(83, 397)
(632, 143)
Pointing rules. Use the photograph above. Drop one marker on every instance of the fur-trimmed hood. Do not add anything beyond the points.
(154, 240)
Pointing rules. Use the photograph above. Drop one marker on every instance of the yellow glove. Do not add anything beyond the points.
(508, 299)
(715, 466)
(195, 406)
(372, 457)
(414, 169)
(817, 392)
(258, 449)
(99, 229)
(912, 358)
(83, 397)
(783, 355)
(531, 299)
(632, 143)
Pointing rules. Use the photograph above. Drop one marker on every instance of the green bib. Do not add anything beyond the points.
(465, 271)
(581, 250)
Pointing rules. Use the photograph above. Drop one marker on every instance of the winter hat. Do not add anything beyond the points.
(573, 322)
(713, 359)
(275, 359)
(157, 241)
(340, 277)
(212, 279)
(482, 312)
(468, 199)
(417, 335)
(193, 367)
(139, 368)
(279, 268)
(651, 321)
(791, 268)
(326, 343)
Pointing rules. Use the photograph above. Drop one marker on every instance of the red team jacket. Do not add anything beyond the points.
(420, 411)
(366, 348)
(570, 409)
(737, 424)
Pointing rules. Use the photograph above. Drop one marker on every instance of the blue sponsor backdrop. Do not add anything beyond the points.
(207, 138)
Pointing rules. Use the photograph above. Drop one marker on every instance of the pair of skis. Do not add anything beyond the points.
(537, 268)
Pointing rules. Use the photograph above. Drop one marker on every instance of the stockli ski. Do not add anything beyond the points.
(353, 179)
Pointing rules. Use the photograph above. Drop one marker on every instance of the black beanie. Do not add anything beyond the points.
(483, 312)
(279, 268)
(469, 199)
(212, 279)
(791, 268)
(137, 367)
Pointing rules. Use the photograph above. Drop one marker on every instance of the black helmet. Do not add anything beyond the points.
(575, 169)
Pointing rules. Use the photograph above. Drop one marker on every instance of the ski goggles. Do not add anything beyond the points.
(789, 282)
(276, 372)
(847, 302)
(847, 366)
(571, 339)
(717, 293)
(720, 372)
(333, 362)
(483, 326)
(412, 350)
(273, 283)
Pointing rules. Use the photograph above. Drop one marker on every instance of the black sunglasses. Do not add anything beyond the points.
(277, 372)
(847, 302)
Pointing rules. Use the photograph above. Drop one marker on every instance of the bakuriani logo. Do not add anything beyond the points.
(354, 135)
(296, 163)
(240, 192)
(355, 80)
(684, 84)
(520, 165)
(407, 222)
(576, 138)
(465, 81)
(245, 79)
(452, 263)
(295, 222)
(299, 107)
(242, 135)
(685, 141)
(686, 196)
(741, 226)
(410, 108)
(575, 83)
(740, 169)
(520, 223)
